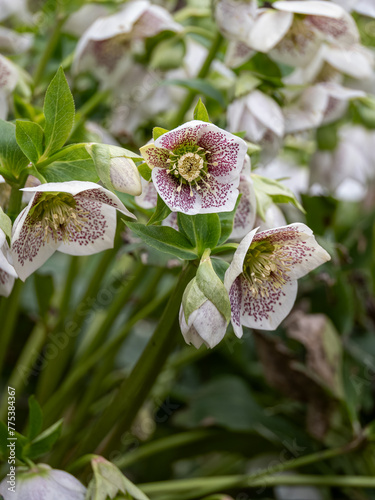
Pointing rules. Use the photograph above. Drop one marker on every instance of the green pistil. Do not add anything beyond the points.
(189, 164)
(56, 215)
(265, 266)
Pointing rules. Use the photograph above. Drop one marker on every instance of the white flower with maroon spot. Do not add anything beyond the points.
(7, 272)
(196, 167)
(77, 218)
(292, 31)
(262, 278)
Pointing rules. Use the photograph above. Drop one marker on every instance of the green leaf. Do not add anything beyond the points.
(207, 231)
(76, 164)
(35, 418)
(29, 137)
(274, 190)
(161, 212)
(327, 137)
(199, 86)
(145, 171)
(5, 223)
(165, 239)
(59, 113)
(168, 54)
(203, 230)
(220, 267)
(158, 132)
(44, 442)
(213, 288)
(200, 112)
(12, 158)
(226, 221)
(245, 83)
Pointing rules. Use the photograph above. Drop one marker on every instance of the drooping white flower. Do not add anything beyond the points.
(7, 272)
(8, 80)
(318, 105)
(12, 42)
(77, 218)
(292, 31)
(261, 118)
(332, 172)
(43, 483)
(102, 48)
(196, 167)
(246, 211)
(262, 278)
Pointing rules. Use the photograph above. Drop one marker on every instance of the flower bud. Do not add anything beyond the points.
(43, 483)
(205, 309)
(115, 168)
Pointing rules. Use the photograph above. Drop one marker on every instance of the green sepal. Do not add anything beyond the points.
(165, 239)
(192, 299)
(59, 114)
(5, 223)
(213, 288)
(200, 112)
(245, 83)
(161, 212)
(30, 138)
(43, 443)
(145, 171)
(158, 132)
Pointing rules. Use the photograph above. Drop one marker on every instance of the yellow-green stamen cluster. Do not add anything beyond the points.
(56, 215)
(265, 267)
(189, 164)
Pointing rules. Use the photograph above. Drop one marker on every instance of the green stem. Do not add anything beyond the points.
(186, 105)
(213, 484)
(119, 415)
(15, 200)
(24, 367)
(226, 482)
(60, 154)
(48, 51)
(8, 317)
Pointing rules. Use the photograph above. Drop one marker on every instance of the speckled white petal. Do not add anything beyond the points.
(357, 61)
(6, 283)
(266, 313)
(187, 133)
(246, 211)
(190, 334)
(270, 27)
(236, 266)
(149, 196)
(29, 250)
(312, 7)
(98, 228)
(154, 156)
(218, 196)
(124, 176)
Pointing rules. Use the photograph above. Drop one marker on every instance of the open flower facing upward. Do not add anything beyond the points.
(262, 278)
(43, 483)
(196, 167)
(77, 218)
(7, 272)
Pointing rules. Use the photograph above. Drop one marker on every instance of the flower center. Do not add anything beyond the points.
(189, 164)
(266, 267)
(57, 216)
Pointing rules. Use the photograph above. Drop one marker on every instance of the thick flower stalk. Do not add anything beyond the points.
(196, 167)
(7, 272)
(262, 278)
(77, 218)
(43, 483)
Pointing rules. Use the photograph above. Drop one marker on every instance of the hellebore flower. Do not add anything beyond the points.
(292, 31)
(44, 483)
(196, 167)
(205, 309)
(262, 278)
(7, 272)
(262, 120)
(246, 211)
(77, 218)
